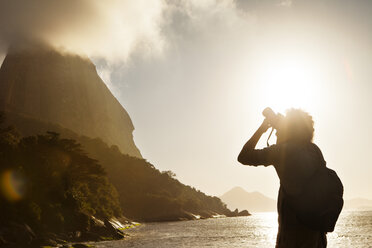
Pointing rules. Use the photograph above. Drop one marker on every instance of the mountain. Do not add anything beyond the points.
(358, 204)
(44, 90)
(253, 202)
(63, 89)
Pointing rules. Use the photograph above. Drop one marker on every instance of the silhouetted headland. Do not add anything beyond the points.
(69, 168)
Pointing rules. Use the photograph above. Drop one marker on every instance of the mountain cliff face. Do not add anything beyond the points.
(66, 90)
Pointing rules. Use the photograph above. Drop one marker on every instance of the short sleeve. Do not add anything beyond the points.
(267, 156)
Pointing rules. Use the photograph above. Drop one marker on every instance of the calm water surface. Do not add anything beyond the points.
(354, 229)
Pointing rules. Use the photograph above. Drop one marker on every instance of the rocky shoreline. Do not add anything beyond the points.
(21, 235)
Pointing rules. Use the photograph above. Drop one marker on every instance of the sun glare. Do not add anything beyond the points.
(288, 82)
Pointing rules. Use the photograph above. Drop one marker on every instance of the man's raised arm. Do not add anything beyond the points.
(247, 155)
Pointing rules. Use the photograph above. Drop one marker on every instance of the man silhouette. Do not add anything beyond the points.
(295, 158)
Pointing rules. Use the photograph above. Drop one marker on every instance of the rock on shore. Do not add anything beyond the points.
(21, 234)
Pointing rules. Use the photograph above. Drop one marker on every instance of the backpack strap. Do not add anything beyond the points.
(267, 141)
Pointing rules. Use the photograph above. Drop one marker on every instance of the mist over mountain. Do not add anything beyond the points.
(63, 89)
(253, 201)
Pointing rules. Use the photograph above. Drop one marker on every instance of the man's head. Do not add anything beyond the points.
(296, 126)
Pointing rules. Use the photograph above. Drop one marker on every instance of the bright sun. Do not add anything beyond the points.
(289, 82)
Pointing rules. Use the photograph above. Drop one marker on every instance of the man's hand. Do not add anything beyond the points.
(264, 126)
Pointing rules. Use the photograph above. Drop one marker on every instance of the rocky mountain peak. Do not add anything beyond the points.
(64, 89)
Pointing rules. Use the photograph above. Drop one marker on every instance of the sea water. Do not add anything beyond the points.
(353, 229)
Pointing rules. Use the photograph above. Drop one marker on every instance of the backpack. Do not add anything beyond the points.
(320, 202)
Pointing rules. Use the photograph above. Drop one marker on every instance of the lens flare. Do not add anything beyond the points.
(12, 185)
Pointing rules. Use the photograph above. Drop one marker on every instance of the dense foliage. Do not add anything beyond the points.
(145, 193)
(56, 185)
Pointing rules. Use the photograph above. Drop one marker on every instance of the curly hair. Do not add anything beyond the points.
(298, 125)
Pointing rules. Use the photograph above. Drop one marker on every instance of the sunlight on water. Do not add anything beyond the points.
(354, 229)
(260, 227)
(269, 226)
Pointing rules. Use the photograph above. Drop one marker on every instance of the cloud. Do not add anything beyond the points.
(262, 5)
(111, 29)
(114, 29)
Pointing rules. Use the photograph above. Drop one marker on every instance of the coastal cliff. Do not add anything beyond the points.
(65, 90)
(69, 163)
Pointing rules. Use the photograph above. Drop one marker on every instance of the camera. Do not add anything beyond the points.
(273, 119)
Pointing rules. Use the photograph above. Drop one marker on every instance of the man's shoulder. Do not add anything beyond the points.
(298, 148)
(295, 145)
(292, 151)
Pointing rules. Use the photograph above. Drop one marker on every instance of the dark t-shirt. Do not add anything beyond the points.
(295, 164)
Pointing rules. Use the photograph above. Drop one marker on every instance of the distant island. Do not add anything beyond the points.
(237, 197)
(358, 204)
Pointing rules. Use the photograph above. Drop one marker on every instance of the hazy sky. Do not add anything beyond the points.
(196, 75)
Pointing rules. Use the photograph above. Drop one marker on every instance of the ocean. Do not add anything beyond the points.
(353, 229)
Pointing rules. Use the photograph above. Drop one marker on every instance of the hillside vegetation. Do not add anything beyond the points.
(147, 194)
(49, 184)
(97, 179)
